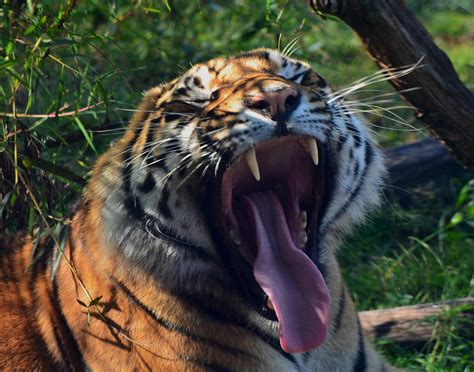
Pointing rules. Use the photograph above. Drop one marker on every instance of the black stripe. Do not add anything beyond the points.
(158, 161)
(274, 343)
(151, 160)
(306, 357)
(71, 353)
(360, 364)
(298, 75)
(163, 207)
(208, 366)
(356, 169)
(316, 97)
(355, 134)
(254, 54)
(178, 328)
(319, 110)
(148, 184)
(321, 82)
(165, 234)
(340, 142)
(368, 160)
(182, 91)
(198, 82)
(341, 309)
(171, 117)
(204, 305)
(186, 82)
(132, 204)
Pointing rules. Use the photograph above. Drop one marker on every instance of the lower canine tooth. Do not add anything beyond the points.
(251, 159)
(235, 237)
(302, 239)
(303, 220)
(270, 304)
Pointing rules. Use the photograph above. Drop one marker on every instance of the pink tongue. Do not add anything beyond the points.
(287, 275)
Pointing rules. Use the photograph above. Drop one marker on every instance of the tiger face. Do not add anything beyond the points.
(237, 181)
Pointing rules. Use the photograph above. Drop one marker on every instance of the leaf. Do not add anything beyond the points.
(462, 196)
(469, 210)
(58, 41)
(9, 48)
(85, 133)
(167, 3)
(6, 64)
(4, 201)
(30, 29)
(95, 301)
(53, 169)
(81, 303)
(48, 245)
(40, 235)
(152, 10)
(453, 236)
(456, 219)
(61, 233)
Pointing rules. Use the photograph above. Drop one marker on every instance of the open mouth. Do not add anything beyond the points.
(266, 207)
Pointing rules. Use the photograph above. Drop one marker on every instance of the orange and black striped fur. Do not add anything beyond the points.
(146, 236)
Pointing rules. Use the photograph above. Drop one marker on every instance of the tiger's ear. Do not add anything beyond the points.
(150, 100)
(312, 79)
(151, 96)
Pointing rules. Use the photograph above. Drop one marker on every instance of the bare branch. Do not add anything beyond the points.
(394, 37)
(416, 324)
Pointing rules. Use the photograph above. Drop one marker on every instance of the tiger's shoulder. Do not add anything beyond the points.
(26, 307)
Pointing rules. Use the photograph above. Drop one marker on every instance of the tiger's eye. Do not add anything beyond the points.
(214, 96)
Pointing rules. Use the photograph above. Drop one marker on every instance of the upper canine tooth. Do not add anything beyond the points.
(251, 158)
(312, 147)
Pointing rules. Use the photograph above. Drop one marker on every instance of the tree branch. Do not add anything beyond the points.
(420, 161)
(416, 324)
(395, 38)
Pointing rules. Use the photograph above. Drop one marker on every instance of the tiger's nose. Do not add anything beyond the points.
(279, 103)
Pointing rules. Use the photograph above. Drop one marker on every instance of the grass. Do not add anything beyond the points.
(418, 255)
(70, 71)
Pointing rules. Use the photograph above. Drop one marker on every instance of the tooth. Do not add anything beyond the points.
(312, 147)
(234, 235)
(303, 220)
(302, 239)
(270, 304)
(251, 158)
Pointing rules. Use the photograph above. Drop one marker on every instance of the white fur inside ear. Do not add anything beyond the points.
(203, 73)
(288, 67)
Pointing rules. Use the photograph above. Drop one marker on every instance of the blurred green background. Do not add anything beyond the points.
(89, 62)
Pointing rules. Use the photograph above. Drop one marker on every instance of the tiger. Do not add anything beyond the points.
(206, 237)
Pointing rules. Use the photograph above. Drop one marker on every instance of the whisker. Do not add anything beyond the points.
(290, 45)
(379, 76)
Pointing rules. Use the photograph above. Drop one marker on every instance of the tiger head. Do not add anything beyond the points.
(237, 181)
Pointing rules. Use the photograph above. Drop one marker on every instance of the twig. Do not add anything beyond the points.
(48, 116)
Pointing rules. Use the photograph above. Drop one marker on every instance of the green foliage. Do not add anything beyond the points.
(419, 255)
(70, 72)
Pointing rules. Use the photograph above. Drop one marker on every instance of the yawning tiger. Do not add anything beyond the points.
(206, 237)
